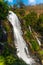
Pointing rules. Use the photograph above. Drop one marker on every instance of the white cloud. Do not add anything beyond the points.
(31, 1)
(10, 0)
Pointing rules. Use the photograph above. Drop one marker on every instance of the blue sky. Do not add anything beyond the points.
(26, 2)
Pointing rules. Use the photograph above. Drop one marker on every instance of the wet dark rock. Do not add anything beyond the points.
(3, 36)
(1, 48)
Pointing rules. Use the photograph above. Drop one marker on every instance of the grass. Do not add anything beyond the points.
(2, 60)
(40, 52)
(35, 45)
(32, 41)
(28, 35)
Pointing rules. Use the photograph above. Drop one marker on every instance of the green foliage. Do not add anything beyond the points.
(11, 60)
(31, 19)
(9, 57)
(3, 10)
(40, 52)
(28, 35)
(40, 24)
(22, 12)
(35, 22)
(2, 60)
(35, 45)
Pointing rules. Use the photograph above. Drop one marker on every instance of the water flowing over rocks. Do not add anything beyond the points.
(22, 50)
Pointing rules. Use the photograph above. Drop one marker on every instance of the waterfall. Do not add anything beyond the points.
(30, 29)
(37, 39)
(22, 50)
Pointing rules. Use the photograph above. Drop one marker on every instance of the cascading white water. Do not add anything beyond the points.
(22, 50)
(38, 40)
(35, 37)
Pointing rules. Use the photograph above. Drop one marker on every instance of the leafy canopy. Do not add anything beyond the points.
(3, 10)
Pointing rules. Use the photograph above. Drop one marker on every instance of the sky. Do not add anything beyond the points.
(26, 2)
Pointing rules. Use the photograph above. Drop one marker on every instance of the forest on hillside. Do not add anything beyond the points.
(28, 19)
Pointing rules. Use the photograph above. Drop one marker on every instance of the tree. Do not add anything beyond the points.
(20, 3)
(3, 10)
(31, 19)
(40, 24)
(3, 15)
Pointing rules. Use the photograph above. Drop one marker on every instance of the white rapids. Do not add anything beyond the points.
(22, 50)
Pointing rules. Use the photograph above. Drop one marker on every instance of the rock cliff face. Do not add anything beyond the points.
(6, 34)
